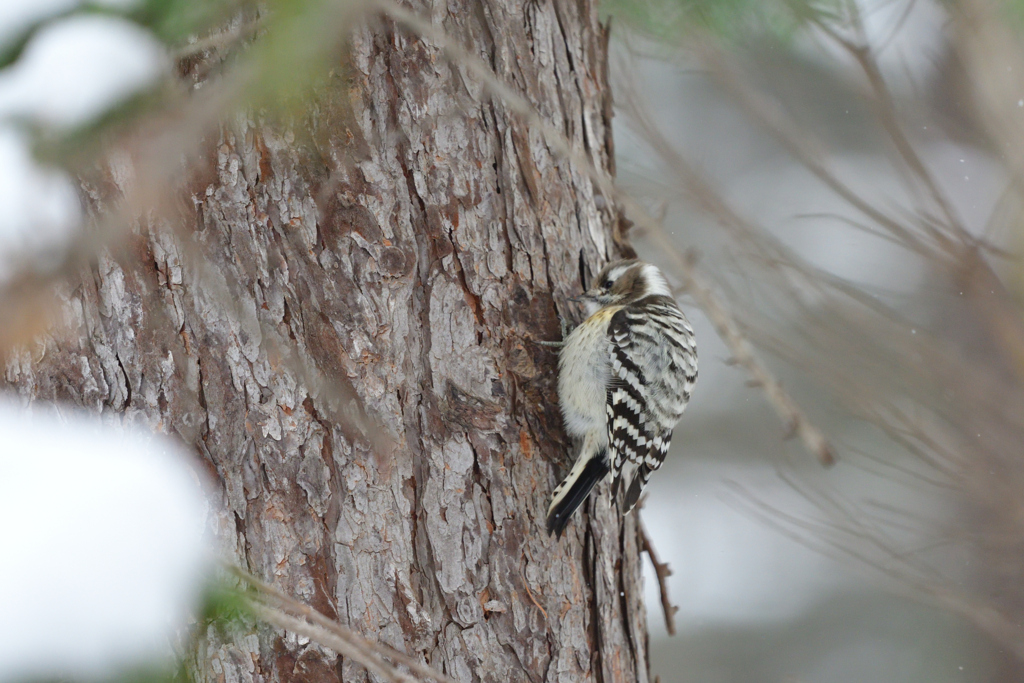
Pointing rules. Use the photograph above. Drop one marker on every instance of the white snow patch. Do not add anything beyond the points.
(75, 69)
(39, 208)
(18, 16)
(102, 546)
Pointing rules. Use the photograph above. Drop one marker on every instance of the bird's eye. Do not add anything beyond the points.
(607, 284)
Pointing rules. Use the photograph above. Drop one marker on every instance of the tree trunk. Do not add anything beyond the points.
(407, 239)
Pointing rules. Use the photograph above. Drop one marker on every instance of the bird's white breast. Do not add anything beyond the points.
(583, 374)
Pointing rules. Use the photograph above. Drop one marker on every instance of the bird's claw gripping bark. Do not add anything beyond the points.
(566, 329)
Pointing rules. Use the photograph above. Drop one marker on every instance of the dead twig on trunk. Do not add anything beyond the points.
(663, 571)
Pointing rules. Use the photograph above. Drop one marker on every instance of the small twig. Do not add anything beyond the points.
(536, 604)
(663, 571)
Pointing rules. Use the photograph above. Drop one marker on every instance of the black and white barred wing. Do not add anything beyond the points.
(653, 368)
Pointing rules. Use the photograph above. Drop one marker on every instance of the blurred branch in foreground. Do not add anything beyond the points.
(278, 609)
(153, 155)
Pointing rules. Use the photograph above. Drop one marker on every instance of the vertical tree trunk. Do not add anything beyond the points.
(408, 240)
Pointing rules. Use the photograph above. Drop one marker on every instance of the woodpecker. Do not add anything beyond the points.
(624, 378)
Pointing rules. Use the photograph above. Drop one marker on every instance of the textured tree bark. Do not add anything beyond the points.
(408, 240)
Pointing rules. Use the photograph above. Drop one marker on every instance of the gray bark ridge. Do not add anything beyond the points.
(407, 239)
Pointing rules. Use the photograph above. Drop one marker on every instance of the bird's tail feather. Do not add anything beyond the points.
(636, 487)
(573, 490)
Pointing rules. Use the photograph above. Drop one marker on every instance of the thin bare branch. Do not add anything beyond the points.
(804, 148)
(886, 109)
(988, 619)
(663, 571)
(962, 250)
(786, 408)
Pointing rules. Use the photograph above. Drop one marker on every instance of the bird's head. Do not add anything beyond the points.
(623, 282)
